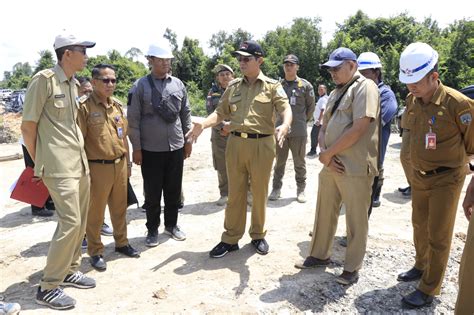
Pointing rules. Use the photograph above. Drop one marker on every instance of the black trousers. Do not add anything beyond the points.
(29, 162)
(376, 189)
(314, 137)
(162, 174)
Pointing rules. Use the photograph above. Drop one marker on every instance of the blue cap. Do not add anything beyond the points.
(338, 56)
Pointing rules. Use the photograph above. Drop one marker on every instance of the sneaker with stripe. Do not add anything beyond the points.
(78, 280)
(55, 299)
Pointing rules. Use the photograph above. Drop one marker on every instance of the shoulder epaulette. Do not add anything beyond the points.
(235, 81)
(47, 73)
(118, 102)
(267, 79)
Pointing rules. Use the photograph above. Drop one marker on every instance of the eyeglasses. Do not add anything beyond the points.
(107, 80)
(244, 59)
(336, 69)
(79, 49)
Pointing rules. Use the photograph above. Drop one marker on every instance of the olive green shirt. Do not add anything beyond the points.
(51, 102)
(450, 113)
(104, 127)
(251, 107)
(302, 102)
(361, 100)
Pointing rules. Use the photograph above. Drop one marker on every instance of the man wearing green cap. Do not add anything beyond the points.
(220, 132)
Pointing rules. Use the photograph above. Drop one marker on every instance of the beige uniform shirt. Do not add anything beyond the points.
(250, 108)
(104, 127)
(451, 113)
(361, 100)
(51, 102)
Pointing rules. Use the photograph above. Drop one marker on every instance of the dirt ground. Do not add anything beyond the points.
(179, 277)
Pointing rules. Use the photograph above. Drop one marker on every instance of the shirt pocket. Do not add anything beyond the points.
(96, 126)
(262, 105)
(58, 109)
(236, 106)
(147, 108)
(176, 100)
(343, 113)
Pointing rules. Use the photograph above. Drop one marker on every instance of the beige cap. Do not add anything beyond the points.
(222, 67)
(64, 40)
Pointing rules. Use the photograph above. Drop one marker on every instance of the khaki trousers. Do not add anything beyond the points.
(354, 192)
(71, 198)
(247, 158)
(108, 187)
(434, 202)
(219, 144)
(297, 145)
(465, 302)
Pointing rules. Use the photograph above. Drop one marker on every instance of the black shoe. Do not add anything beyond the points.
(261, 246)
(151, 239)
(347, 278)
(376, 204)
(55, 299)
(402, 190)
(42, 212)
(312, 262)
(410, 275)
(311, 153)
(407, 193)
(127, 250)
(417, 299)
(221, 249)
(50, 205)
(98, 263)
(84, 243)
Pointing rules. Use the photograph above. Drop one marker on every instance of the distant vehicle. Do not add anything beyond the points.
(15, 104)
(468, 91)
(5, 94)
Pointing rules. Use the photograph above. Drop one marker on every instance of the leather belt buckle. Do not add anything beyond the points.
(117, 161)
(244, 135)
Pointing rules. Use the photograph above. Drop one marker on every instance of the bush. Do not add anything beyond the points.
(197, 101)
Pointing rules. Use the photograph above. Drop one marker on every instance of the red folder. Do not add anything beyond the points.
(33, 193)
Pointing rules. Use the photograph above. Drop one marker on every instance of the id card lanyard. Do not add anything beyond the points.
(430, 137)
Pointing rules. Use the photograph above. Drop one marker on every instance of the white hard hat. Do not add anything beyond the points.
(368, 60)
(161, 49)
(416, 61)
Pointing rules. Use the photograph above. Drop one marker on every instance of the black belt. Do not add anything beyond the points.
(249, 135)
(115, 161)
(438, 170)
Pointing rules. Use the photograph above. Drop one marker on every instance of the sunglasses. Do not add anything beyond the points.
(244, 59)
(107, 80)
(79, 49)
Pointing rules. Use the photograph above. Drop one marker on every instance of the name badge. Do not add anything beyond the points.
(293, 100)
(430, 141)
(120, 132)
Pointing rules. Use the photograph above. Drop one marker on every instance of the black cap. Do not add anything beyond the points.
(249, 48)
(291, 59)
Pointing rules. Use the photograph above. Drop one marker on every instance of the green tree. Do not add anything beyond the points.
(190, 61)
(46, 61)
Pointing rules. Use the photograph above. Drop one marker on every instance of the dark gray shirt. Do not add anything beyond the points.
(148, 131)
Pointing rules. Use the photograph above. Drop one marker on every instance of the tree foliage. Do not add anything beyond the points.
(387, 37)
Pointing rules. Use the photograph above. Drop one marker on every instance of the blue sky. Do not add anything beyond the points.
(28, 27)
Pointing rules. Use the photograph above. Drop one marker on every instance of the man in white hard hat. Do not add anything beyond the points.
(371, 68)
(159, 117)
(439, 120)
(56, 145)
(349, 149)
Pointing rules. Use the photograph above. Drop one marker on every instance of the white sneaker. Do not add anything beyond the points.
(300, 197)
(222, 201)
(9, 308)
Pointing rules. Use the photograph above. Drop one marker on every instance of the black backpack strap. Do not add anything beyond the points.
(336, 104)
